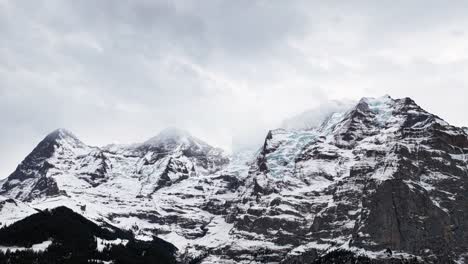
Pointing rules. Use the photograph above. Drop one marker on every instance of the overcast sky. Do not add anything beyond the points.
(120, 71)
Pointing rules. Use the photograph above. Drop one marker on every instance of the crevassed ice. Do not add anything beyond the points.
(382, 107)
(281, 162)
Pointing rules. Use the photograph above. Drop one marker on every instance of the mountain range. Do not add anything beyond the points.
(382, 179)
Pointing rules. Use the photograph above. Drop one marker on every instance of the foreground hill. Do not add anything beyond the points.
(383, 176)
(63, 236)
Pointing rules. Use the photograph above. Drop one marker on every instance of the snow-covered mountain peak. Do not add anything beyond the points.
(63, 137)
(177, 144)
(173, 140)
(61, 133)
(374, 113)
(330, 113)
(171, 134)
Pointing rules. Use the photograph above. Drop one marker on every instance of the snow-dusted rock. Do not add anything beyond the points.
(384, 174)
(173, 185)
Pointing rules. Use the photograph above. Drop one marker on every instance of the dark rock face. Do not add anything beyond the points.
(405, 218)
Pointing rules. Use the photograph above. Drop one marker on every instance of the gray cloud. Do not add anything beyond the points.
(120, 71)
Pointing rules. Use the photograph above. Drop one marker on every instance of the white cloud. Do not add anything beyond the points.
(224, 70)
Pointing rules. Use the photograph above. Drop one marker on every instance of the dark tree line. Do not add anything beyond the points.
(74, 241)
(134, 252)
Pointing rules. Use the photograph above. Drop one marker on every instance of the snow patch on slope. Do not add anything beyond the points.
(12, 211)
(40, 247)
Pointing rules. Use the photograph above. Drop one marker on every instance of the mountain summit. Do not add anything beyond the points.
(61, 133)
(173, 139)
(170, 134)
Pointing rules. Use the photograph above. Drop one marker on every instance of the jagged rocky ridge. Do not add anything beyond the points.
(383, 175)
